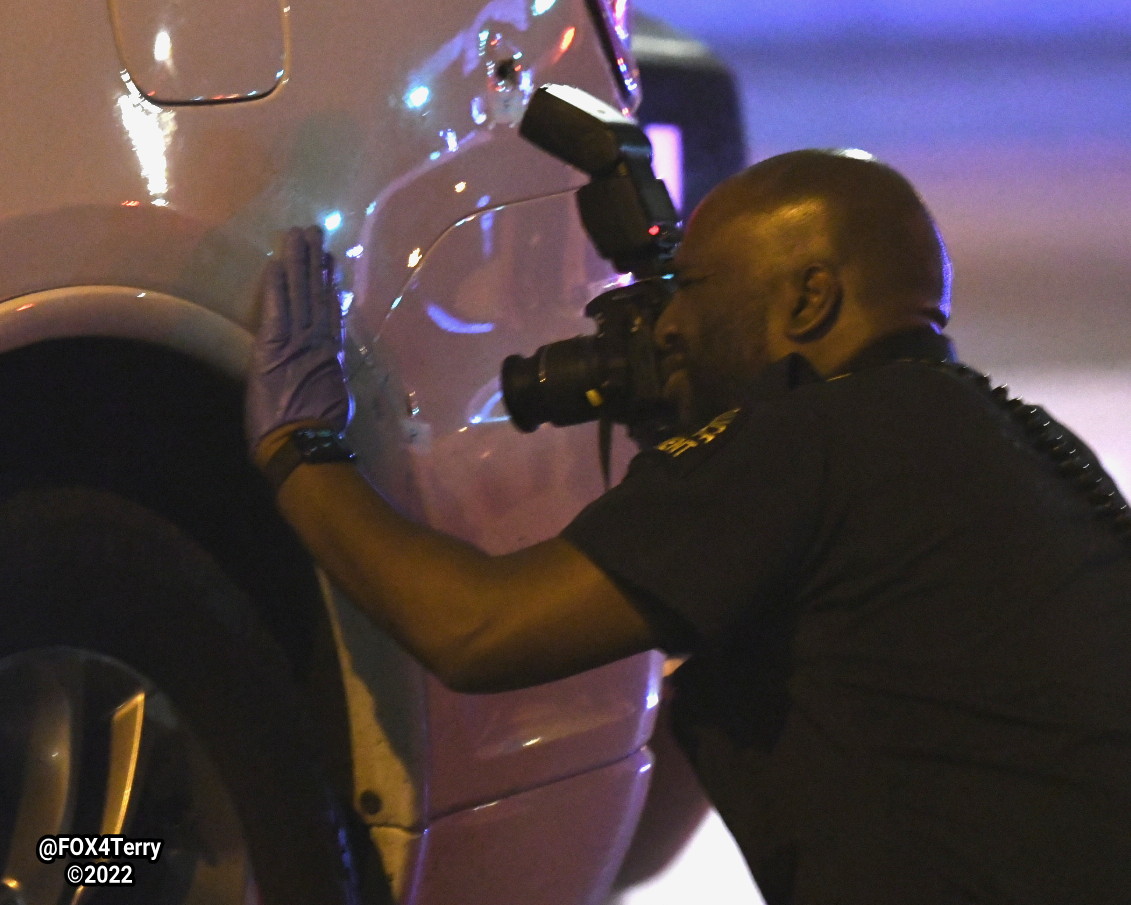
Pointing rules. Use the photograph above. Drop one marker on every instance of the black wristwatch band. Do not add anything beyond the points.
(312, 446)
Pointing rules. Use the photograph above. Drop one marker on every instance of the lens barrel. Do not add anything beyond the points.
(613, 374)
(556, 384)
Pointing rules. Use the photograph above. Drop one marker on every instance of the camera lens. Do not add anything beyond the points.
(556, 384)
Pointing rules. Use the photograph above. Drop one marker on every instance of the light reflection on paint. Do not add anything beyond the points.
(449, 323)
(620, 18)
(489, 411)
(616, 16)
(567, 39)
(417, 97)
(346, 302)
(150, 129)
(332, 221)
(626, 74)
(356, 252)
(460, 186)
(487, 234)
(162, 47)
(415, 257)
(538, 7)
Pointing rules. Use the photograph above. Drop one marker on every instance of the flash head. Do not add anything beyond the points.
(582, 130)
(625, 209)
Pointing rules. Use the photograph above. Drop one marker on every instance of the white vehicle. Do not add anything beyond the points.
(171, 665)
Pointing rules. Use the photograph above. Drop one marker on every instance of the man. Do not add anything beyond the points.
(905, 599)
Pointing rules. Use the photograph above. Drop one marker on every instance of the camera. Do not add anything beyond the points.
(612, 375)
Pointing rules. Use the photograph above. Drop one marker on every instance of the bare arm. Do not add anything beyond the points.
(480, 623)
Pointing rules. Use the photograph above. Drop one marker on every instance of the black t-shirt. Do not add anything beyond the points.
(909, 679)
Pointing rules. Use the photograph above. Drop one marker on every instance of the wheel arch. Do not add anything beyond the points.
(141, 394)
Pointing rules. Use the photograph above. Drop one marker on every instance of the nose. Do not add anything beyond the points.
(667, 334)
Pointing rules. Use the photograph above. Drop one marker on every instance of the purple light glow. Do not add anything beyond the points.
(667, 158)
(451, 324)
(727, 21)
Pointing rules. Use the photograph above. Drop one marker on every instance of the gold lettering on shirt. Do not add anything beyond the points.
(677, 446)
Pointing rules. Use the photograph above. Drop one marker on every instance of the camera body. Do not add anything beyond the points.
(612, 375)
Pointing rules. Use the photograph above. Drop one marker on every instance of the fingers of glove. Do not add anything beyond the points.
(316, 276)
(296, 263)
(337, 326)
(275, 325)
(327, 318)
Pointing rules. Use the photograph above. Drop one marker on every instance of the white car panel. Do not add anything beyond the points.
(200, 51)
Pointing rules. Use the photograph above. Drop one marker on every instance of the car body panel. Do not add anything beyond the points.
(126, 313)
(505, 843)
(180, 52)
(132, 209)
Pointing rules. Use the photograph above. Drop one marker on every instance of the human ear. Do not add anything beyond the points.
(816, 305)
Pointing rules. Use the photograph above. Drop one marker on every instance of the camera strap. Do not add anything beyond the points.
(605, 447)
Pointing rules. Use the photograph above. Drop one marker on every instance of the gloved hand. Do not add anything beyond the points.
(297, 362)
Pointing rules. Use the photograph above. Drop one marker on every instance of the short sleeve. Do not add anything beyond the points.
(706, 530)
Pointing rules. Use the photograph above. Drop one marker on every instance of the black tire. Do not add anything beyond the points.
(102, 600)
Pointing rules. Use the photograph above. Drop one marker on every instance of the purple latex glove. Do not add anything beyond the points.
(296, 365)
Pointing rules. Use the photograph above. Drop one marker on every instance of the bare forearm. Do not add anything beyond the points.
(479, 622)
(417, 584)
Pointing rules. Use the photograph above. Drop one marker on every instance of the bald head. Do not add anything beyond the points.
(815, 253)
(860, 213)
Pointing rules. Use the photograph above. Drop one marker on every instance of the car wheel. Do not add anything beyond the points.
(138, 698)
